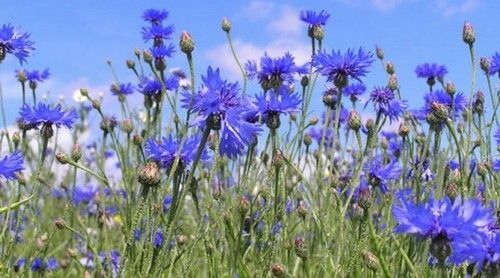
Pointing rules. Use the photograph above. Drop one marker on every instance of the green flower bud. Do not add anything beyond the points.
(226, 25)
(186, 43)
(468, 34)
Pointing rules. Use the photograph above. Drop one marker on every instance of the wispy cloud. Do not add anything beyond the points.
(386, 5)
(258, 9)
(451, 8)
(285, 31)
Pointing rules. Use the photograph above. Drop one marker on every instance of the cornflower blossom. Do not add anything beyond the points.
(220, 108)
(339, 67)
(11, 165)
(386, 103)
(15, 42)
(274, 72)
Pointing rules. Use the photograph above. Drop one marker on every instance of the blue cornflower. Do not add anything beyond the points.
(15, 42)
(137, 234)
(167, 203)
(154, 16)
(481, 249)
(495, 64)
(271, 104)
(317, 134)
(115, 261)
(172, 83)
(441, 219)
(220, 108)
(122, 89)
(162, 51)
(379, 174)
(276, 230)
(431, 72)
(20, 263)
(150, 86)
(158, 240)
(443, 98)
(37, 264)
(313, 18)
(32, 76)
(52, 264)
(339, 68)
(11, 164)
(157, 33)
(386, 103)
(85, 194)
(167, 150)
(496, 165)
(353, 91)
(274, 72)
(43, 114)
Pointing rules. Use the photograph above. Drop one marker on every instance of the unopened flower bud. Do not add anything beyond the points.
(379, 52)
(440, 111)
(370, 260)
(354, 121)
(389, 68)
(484, 63)
(130, 64)
(451, 190)
(313, 121)
(403, 130)
(365, 200)
(278, 270)
(482, 169)
(307, 139)
(147, 56)
(370, 124)
(479, 103)
(76, 153)
(300, 248)
(278, 159)
(128, 126)
(149, 175)
(84, 92)
(393, 83)
(182, 240)
(226, 25)
(243, 205)
(137, 140)
(302, 209)
(450, 88)
(21, 76)
(304, 81)
(60, 224)
(468, 34)
(186, 43)
(62, 158)
(96, 104)
(137, 52)
(16, 138)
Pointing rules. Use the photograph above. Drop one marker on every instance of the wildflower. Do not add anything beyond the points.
(167, 150)
(167, 203)
(15, 42)
(481, 249)
(85, 194)
(220, 108)
(316, 22)
(386, 103)
(20, 263)
(162, 51)
(37, 264)
(154, 16)
(11, 164)
(380, 174)
(458, 102)
(52, 264)
(157, 33)
(150, 86)
(339, 68)
(158, 239)
(353, 91)
(122, 89)
(495, 64)
(431, 72)
(44, 115)
(273, 72)
(271, 105)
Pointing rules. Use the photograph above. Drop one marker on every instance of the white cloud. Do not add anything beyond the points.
(386, 5)
(457, 7)
(286, 32)
(258, 9)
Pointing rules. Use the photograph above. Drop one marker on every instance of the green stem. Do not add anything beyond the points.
(243, 73)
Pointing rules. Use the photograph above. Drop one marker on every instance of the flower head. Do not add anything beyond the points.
(15, 42)
(167, 150)
(274, 72)
(10, 165)
(339, 68)
(162, 51)
(34, 75)
(154, 16)
(380, 174)
(220, 108)
(157, 33)
(158, 240)
(43, 114)
(495, 64)
(386, 103)
(353, 91)
(271, 104)
(458, 102)
(122, 89)
(85, 194)
(431, 71)
(314, 18)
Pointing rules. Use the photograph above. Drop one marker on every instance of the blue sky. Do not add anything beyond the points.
(75, 38)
